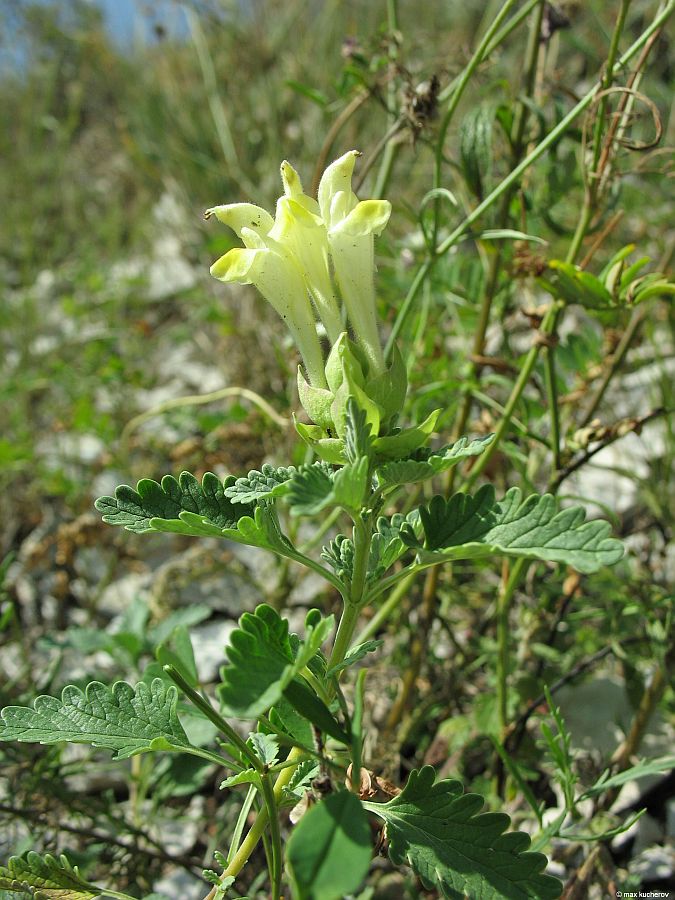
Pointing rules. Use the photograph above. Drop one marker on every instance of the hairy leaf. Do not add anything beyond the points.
(123, 718)
(316, 488)
(46, 878)
(329, 851)
(426, 464)
(261, 661)
(269, 482)
(137, 509)
(339, 554)
(387, 543)
(466, 527)
(354, 655)
(451, 845)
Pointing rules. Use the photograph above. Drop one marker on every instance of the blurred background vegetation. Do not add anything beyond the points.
(114, 139)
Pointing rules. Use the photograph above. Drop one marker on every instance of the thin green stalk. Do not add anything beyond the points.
(549, 320)
(387, 608)
(214, 716)
(503, 634)
(391, 146)
(250, 842)
(553, 411)
(354, 603)
(518, 135)
(456, 96)
(541, 148)
(241, 821)
(275, 834)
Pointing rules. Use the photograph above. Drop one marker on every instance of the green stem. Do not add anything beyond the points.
(548, 324)
(222, 724)
(456, 96)
(391, 145)
(503, 608)
(387, 608)
(250, 842)
(275, 834)
(541, 148)
(354, 602)
(553, 411)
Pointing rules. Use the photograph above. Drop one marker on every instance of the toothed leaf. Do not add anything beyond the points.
(260, 485)
(441, 833)
(137, 510)
(123, 718)
(426, 464)
(466, 527)
(46, 878)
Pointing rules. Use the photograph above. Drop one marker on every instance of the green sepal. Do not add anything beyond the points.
(327, 448)
(389, 389)
(316, 402)
(398, 446)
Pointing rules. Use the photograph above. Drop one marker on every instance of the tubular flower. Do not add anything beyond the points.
(351, 226)
(272, 268)
(299, 226)
(295, 260)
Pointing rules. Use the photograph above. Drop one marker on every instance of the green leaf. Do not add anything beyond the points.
(358, 440)
(137, 510)
(467, 527)
(314, 709)
(248, 776)
(451, 845)
(315, 488)
(339, 554)
(426, 464)
(329, 851)
(261, 662)
(606, 781)
(266, 747)
(402, 443)
(269, 482)
(354, 655)
(123, 718)
(387, 543)
(475, 148)
(46, 878)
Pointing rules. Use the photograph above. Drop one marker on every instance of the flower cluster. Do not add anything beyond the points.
(315, 258)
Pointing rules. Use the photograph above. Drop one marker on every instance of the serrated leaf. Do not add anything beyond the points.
(266, 747)
(467, 527)
(439, 831)
(329, 851)
(354, 655)
(358, 440)
(425, 465)
(339, 554)
(137, 510)
(261, 662)
(248, 776)
(316, 488)
(269, 482)
(46, 878)
(301, 780)
(123, 718)
(387, 544)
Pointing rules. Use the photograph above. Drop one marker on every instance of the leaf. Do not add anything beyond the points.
(127, 719)
(269, 482)
(177, 651)
(315, 488)
(387, 543)
(248, 776)
(329, 851)
(46, 878)
(358, 440)
(354, 655)
(426, 464)
(313, 708)
(339, 554)
(266, 747)
(261, 662)
(467, 527)
(451, 845)
(137, 509)
(475, 148)
(663, 764)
